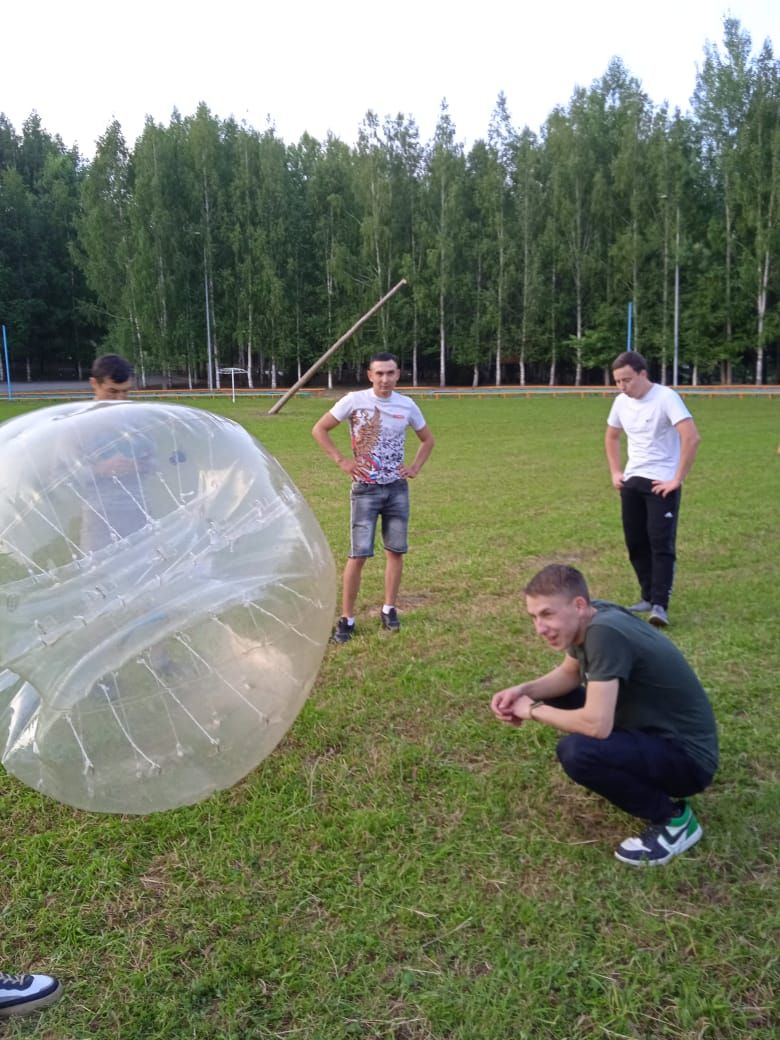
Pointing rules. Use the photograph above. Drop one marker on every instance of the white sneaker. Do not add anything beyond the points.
(658, 843)
(642, 607)
(21, 994)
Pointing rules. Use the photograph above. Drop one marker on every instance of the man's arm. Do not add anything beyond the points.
(321, 433)
(115, 466)
(689, 445)
(596, 718)
(560, 681)
(612, 448)
(424, 450)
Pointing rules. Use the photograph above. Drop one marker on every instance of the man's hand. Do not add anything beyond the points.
(617, 481)
(665, 487)
(511, 705)
(407, 472)
(354, 468)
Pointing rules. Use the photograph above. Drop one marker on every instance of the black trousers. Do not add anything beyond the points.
(643, 774)
(650, 531)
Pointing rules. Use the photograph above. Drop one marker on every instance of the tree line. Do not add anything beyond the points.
(529, 257)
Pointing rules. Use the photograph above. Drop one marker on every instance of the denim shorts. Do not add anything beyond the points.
(367, 503)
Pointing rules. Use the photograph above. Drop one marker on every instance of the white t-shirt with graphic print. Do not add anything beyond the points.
(378, 430)
(649, 424)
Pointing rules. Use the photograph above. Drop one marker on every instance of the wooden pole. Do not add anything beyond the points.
(332, 350)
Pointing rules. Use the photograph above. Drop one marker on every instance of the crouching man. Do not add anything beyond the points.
(639, 727)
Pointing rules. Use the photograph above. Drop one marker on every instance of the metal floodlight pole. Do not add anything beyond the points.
(208, 321)
(332, 350)
(676, 361)
(7, 366)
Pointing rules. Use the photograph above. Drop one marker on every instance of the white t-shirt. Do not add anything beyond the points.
(649, 424)
(378, 430)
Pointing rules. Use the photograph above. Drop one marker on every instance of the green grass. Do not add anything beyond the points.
(402, 867)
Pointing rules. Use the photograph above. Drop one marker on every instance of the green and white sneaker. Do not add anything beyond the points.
(659, 842)
(21, 994)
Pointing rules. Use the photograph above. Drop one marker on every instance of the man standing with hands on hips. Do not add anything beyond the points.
(378, 420)
(662, 445)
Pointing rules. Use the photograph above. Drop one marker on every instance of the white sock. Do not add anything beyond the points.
(387, 608)
(350, 621)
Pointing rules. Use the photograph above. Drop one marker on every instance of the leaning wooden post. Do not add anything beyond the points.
(332, 350)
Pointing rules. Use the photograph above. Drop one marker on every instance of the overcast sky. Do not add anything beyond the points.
(318, 66)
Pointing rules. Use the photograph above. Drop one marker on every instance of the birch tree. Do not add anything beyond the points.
(444, 168)
(721, 103)
(758, 188)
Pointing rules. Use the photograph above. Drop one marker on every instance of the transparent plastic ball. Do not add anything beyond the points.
(166, 597)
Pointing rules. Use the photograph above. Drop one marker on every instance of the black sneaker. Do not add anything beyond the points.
(656, 845)
(390, 620)
(21, 994)
(343, 631)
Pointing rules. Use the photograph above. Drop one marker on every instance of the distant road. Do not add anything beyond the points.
(71, 391)
(747, 390)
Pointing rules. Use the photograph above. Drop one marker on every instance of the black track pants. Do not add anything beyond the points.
(643, 774)
(650, 530)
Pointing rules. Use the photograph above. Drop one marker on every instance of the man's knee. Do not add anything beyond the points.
(662, 541)
(577, 754)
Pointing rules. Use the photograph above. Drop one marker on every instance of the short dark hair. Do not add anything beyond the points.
(384, 355)
(558, 579)
(113, 367)
(632, 359)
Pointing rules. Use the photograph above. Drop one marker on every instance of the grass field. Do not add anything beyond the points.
(405, 868)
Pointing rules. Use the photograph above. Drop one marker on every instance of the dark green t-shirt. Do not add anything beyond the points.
(658, 690)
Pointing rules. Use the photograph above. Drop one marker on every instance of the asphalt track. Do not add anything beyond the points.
(73, 391)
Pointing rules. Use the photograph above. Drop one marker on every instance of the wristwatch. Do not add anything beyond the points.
(534, 704)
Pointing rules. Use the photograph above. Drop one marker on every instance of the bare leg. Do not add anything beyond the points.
(353, 572)
(394, 568)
